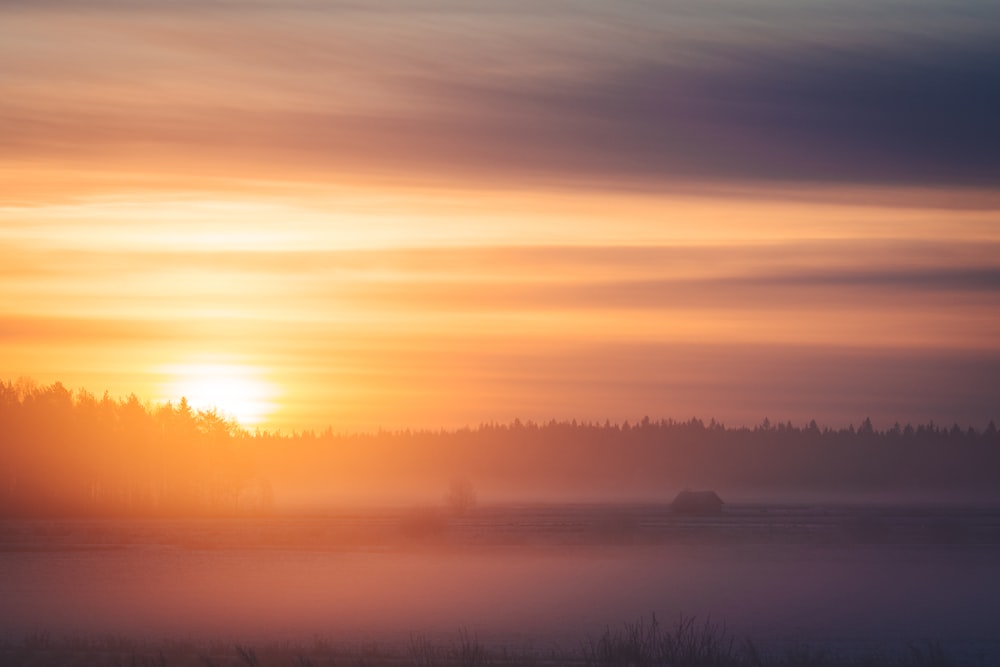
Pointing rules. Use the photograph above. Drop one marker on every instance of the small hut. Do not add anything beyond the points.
(697, 502)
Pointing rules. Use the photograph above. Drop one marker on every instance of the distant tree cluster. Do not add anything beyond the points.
(65, 452)
(661, 457)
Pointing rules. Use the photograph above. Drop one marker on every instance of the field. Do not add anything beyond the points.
(517, 584)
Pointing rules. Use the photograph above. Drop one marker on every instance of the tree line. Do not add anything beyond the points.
(73, 453)
(65, 452)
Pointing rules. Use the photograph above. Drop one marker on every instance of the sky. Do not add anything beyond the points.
(441, 213)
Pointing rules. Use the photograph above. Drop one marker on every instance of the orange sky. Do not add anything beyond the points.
(427, 217)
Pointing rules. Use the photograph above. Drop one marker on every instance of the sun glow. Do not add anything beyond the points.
(236, 391)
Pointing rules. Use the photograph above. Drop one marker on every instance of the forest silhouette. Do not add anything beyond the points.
(65, 453)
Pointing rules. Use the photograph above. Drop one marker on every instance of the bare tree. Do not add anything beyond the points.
(461, 496)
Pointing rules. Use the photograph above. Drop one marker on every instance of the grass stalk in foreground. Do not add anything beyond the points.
(642, 643)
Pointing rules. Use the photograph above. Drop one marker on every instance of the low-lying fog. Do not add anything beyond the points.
(528, 575)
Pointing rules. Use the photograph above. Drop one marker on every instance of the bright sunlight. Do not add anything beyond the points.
(236, 391)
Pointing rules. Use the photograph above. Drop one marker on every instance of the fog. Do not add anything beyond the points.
(854, 578)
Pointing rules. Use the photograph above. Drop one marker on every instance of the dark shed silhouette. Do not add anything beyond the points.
(697, 502)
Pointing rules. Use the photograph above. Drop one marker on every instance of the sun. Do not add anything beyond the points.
(237, 391)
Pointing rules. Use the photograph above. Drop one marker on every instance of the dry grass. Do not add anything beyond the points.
(643, 643)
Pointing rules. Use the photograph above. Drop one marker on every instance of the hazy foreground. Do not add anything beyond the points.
(854, 580)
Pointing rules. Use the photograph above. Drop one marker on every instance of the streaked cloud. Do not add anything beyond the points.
(586, 92)
(435, 213)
